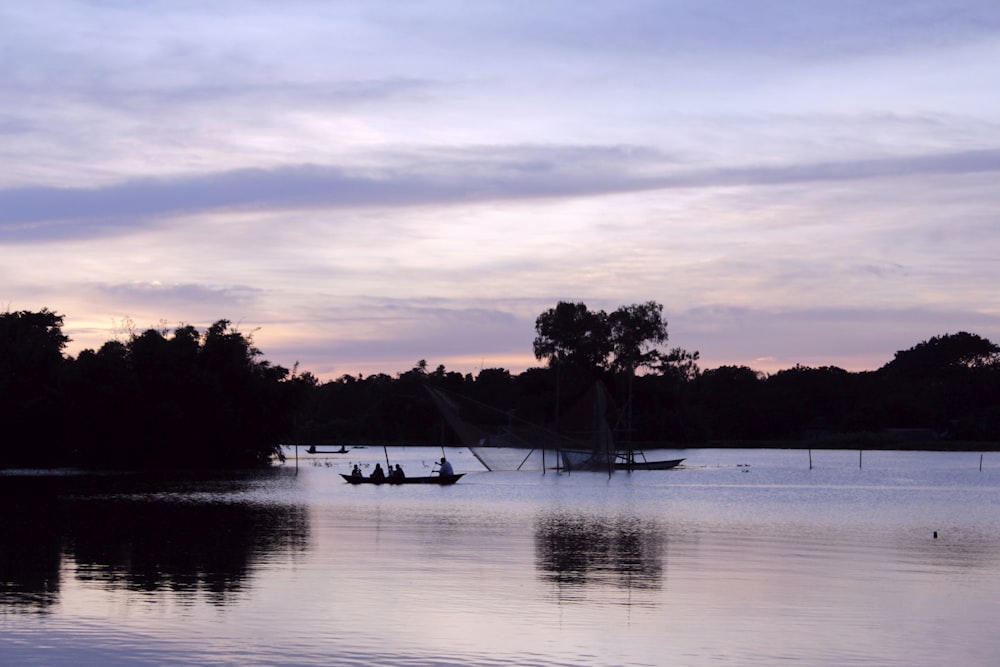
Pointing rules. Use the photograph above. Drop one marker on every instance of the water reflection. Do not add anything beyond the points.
(966, 551)
(31, 544)
(187, 536)
(577, 551)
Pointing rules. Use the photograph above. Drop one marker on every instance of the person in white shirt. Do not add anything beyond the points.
(445, 468)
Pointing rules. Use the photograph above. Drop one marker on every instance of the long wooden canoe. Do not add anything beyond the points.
(433, 479)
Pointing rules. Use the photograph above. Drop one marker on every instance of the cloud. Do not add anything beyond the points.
(158, 295)
(483, 174)
(652, 29)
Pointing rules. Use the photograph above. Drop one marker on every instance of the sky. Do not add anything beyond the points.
(363, 185)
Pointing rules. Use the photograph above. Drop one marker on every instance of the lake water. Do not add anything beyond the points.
(740, 557)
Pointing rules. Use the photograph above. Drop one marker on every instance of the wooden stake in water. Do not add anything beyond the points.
(810, 459)
(859, 458)
(980, 463)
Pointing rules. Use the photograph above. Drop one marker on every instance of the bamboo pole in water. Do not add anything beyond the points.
(523, 461)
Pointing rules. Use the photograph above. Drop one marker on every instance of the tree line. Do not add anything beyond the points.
(186, 397)
(157, 399)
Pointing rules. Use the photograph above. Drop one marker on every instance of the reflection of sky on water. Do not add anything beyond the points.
(723, 564)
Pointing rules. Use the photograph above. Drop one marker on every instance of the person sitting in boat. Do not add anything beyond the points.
(378, 473)
(398, 472)
(445, 468)
(356, 472)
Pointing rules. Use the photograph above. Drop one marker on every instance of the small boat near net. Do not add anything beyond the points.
(484, 430)
(576, 459)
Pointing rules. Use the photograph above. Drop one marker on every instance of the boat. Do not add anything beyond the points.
(649, 465)
(578, 459)
(312, 450)
(440, 480)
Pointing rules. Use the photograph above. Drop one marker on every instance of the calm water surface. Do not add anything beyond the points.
(741, 557)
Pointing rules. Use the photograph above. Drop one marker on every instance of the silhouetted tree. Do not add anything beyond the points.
(680, 364)
(949, 383)
(106, 403)
(186, 400)
(494, 386)
(32, 403)
(249, 393)
(808, 401)
(731, 396)
(943, 353)
(633, 332)
(572, 334)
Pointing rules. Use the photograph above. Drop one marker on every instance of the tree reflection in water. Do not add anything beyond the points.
(190, 538)
(577, 551)
(30, 543)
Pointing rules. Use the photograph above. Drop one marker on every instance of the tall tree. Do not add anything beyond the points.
(731, 395)
(948, 383)
(189, 399)
(571, 333)
(31, 347)
(945, 353)
(634, 331)
(680, 364)
(32, 407)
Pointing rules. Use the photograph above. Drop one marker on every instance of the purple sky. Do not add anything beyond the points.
(362, 185)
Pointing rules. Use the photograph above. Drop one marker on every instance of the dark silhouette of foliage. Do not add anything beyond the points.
(633, 330)
(572, 334)
(32, 402)
(950, 384)
(184, 400)
(803, 400)
(732, 400)
(941, 354)
(191, 398)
